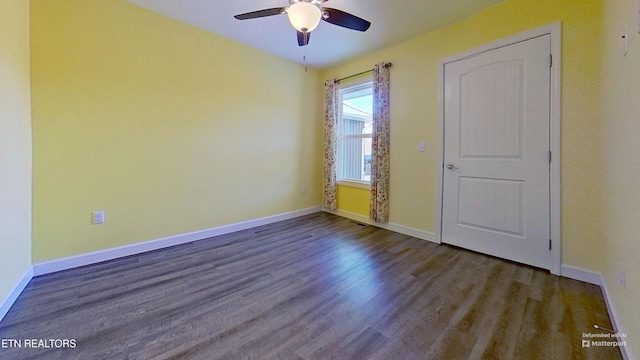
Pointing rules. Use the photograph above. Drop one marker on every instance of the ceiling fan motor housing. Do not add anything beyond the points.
(305, 15)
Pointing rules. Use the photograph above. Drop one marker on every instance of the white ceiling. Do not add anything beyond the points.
(392, 22)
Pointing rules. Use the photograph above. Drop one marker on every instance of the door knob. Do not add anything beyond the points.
(452, 167)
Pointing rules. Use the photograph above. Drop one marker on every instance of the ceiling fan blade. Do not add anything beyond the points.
(303, 38)
(261, 13)
(341, 18)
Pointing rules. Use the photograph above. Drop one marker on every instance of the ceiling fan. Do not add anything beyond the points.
(305, 15)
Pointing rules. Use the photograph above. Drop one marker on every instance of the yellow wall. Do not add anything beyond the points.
(414, 114)
(353, 200)
(621, 167)
(15, 145)
(166, 127)
(171, 129)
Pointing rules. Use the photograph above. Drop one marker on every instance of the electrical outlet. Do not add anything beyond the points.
(304, 189)
(622, 277)
(98, 217)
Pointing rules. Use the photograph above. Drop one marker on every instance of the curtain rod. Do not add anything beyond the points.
(387, 65)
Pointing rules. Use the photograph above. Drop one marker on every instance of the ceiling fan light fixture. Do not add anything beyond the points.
(304, 16)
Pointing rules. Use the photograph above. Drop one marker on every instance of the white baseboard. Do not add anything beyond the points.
(406, 230)
(613, 314)
(595, 278)
(567, 271)
(52, 266)
(117, 252)
(576, 273)
(7, 303)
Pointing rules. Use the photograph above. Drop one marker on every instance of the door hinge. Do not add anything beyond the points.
(550, 156)
(550, 60)
(549, 244)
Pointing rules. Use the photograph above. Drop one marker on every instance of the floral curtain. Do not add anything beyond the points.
(379, 203)
(331, 107)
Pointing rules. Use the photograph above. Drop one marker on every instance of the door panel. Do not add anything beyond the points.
(491, 204)
(491, 111)
(496, 146)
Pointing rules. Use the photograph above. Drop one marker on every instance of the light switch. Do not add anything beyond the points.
(422, 146)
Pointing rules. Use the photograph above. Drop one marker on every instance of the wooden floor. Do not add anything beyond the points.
(315, 287)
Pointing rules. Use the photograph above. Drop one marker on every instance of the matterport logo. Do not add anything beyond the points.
(606, 339)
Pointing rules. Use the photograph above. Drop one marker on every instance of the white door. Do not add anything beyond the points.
(496, 153)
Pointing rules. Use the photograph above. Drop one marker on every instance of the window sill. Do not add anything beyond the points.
(355, 184)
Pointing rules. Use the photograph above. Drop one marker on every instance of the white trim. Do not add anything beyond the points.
(70, 262)
(550, 29)
(406, 230)
(567, 271)
(555, 32)
(440, 171)
(595, 278)
(613, 315)
(357, 86)
(577, 273)
(355, 184)
(8, 302)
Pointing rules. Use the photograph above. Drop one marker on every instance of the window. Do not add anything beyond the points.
(354, 132)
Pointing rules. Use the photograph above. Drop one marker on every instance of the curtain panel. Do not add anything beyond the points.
(379, 203)
(331, 113)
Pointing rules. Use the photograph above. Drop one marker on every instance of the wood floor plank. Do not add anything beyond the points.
(314, 287)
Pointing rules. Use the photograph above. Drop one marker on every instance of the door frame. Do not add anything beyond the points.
(554, 30)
